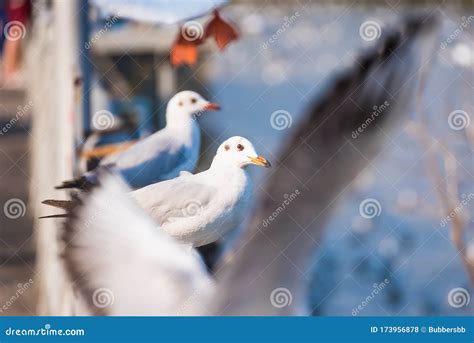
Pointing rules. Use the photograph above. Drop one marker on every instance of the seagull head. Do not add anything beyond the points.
(186, 104)
(240, 152)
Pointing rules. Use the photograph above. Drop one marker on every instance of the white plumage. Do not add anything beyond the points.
(199, 209)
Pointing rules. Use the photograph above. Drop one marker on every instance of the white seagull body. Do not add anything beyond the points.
(200, 209)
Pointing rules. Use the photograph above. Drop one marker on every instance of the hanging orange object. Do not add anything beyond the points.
(191, 35)
(222, 30)
(184, 50)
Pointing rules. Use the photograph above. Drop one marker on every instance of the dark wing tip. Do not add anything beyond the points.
(64, 215)
(67, 233)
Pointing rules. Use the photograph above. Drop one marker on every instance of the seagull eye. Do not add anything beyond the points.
(180, 103)
(226, 147)
(240, 147)
(193, 100)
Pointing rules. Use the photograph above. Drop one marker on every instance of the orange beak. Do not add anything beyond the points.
(212, 106)
(260, 161)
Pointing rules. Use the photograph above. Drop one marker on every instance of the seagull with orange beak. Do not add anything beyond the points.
(162, 155)
(202, 208)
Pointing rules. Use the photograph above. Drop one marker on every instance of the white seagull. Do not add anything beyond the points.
(162, 155)
(200, 209)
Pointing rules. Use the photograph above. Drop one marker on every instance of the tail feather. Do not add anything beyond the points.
(64, 215)
(67, 205)
(82, 183)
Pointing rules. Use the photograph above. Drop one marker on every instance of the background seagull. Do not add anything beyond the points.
(200, 209)
(268, 259)
(162, 155)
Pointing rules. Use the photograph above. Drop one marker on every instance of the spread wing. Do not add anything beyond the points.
(123, 264)
(266, 273)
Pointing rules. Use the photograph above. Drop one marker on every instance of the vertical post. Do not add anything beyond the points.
(85, 65)
(54, 153)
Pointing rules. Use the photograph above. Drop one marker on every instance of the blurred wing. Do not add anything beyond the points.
(123, 264)
(169, 200)
(266, 274)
